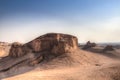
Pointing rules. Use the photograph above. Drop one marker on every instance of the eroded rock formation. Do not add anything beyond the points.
(43, 48)
(52, 42)
(18, 50)
(108, 48)
(89, 45)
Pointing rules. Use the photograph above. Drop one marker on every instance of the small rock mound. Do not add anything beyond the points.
(108, 48)
(89, 45)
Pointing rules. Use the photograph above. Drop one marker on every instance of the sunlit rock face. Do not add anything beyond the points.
(4, 49)
(54, 43)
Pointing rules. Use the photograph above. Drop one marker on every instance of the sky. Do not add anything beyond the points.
(94, 20)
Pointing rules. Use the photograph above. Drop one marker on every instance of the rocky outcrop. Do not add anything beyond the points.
(43, 48)
(54, 43)
(108, 48)
(16, 48)
(89, 45)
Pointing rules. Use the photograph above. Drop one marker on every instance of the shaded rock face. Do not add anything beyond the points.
(18, 50)
(54, 43)
(108, 48)
(89, 45)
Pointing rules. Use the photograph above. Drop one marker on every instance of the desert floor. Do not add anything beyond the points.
(83, 65)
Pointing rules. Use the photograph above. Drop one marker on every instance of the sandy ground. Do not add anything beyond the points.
(88, 66)
(74, 73)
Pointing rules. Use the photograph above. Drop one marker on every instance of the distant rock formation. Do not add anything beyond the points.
(108, 48)
(4, 44)
(55, 43)
(4, 49)
(89, 45)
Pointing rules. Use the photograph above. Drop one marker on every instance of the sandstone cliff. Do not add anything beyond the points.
(54, 43)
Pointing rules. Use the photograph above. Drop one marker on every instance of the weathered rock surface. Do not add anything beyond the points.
(18, 50)
(55, 43)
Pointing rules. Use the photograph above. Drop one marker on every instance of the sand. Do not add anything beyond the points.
(85, 66)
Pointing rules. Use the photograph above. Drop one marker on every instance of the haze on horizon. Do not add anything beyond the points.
(95, 20)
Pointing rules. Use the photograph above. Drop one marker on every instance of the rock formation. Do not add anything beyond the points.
(108, 48)
(43, 48)
(53, 43)
(16, 48)
(89, 45)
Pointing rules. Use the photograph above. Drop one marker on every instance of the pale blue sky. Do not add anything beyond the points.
(95, 20)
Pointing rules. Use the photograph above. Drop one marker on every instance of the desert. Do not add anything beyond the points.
(59, 39)
(57, 56)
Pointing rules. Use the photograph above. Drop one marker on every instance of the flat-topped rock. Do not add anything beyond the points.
(55, 43)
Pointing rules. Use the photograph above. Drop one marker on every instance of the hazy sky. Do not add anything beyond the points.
(95, 20)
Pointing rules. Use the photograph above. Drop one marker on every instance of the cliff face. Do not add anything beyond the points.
(54, 43)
